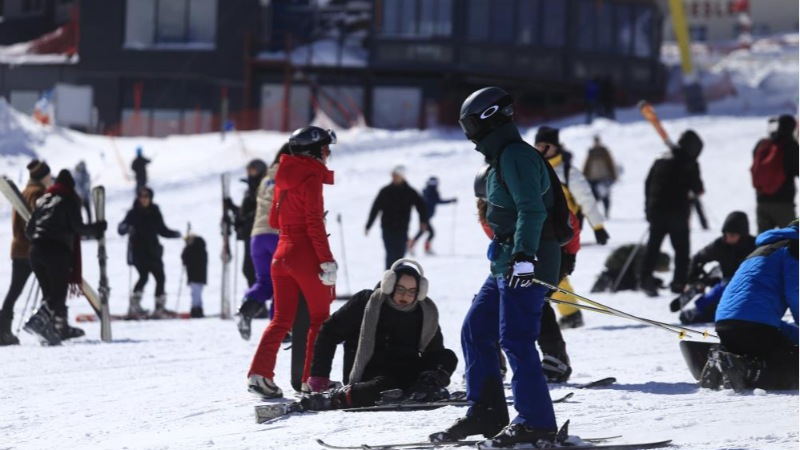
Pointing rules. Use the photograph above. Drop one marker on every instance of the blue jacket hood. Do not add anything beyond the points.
(776, 235)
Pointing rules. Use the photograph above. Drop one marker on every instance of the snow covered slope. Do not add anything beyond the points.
(181, 384)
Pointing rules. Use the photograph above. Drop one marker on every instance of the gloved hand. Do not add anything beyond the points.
(101, 225)
(688, 314)
(328, 274)
(123, 229)
(521, 272)
(228, 203)
(568, 262)
(430, 386)
(601, 235)
(318, 384)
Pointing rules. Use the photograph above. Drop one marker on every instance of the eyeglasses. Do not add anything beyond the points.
(403, 291)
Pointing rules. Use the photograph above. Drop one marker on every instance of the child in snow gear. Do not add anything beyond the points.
(758, 349)
(143, 224)
(195, 259)
(431, 197)
(672, 179)
(40, 180)
(303, 261)
(616, 262)
(394, 202)
(601, 173)
(775, 166)
(245, 214)
(508, 307)
(139, 167)
(736, 243)
(83, 186)
(54, 232)
(392, 340)
(263, 242)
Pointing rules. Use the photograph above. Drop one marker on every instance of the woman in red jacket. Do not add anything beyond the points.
(303, 261)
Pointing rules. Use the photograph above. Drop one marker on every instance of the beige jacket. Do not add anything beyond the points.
(266, 189)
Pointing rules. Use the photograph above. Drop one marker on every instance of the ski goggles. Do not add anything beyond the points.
(332, 136)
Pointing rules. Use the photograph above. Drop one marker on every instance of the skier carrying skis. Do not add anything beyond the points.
(758, 349)
(40, 180)
(394, 202)
(55, 231)
(263, 242)
(303, 261)
(392, 340)
(139, 167)
(431, 197)
(195, 259)
(508, 307)
(729, 250)
(245, 215)
(83, 186)
(143, 224)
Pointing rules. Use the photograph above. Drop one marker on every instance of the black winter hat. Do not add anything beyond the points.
(690, 144)
(736, 222)
(146, 191)
(259, 165)
(786, 125)
(38, 169)
(547, 134)
(65, 178)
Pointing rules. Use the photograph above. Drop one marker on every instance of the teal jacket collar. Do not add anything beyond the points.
(492, 145)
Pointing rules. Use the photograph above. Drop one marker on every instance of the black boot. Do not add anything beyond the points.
(247, 311)
(65, 331)
(6, 336)
(574, 320)
(518, 433)
(196, 312)
(556, 366)
(649, 285)
(338, 398)
(42, 324)
(480, 420)
(711, 376)
(740, 372)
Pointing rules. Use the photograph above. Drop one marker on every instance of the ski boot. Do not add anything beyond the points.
(649, 285)
(519, 433)
(196, 312)
(711, 376)
(479, 420)
(6, 336)
(429, 248)
(263, 387)
(65, 331)
(244, 317)
(740, 372)
(574, 320)
(556, 366)
(338, 398)
(42, 324)
(161, 311)
(135, 310)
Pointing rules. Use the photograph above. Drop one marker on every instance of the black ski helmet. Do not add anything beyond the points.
(484, 111)
(259, 166)
(480, 182)
(309, 141)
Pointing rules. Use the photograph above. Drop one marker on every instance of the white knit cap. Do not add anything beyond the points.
(399, 170)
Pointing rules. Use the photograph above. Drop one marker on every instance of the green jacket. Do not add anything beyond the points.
(517, 210)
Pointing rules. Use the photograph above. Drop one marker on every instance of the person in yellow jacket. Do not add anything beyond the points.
(581, 202)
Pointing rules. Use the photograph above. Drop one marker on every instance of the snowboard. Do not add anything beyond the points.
(300, 327)
(14, 196)
(225, 225)
(695, 353)
(99, 199)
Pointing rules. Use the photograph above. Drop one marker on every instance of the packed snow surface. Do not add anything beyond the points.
(180, 384)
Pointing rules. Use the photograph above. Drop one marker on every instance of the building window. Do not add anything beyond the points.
(490, 21)
(478, 14)
(594, 26)
(529, 21)
(169, 23)
(698, 33)
(32, 6)
(554, 23)
(417, 18)
(644, 29)
(624, 27)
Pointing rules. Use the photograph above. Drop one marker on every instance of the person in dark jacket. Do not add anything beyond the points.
(40, 180)
(54, 232)
(245, 214)
(600, 171)
(195, 259)
(736, 243)
(775, 207)
(627, 258)
(392, 340)
(672, 180)
(139, 167)
(758, 348)
(394, 202)
(144, 224)
(431, 197)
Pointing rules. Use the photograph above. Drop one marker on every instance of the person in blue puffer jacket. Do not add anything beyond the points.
(758, 348)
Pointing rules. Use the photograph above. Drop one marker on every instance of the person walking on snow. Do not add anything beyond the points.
(432, 198)
(40, 180)
(303, 262)
(144, 224)
(508, 308)
(55, 231)
(83, 186)
(139, 167)
(245, 215)
(394, 202)
(775, 166)
(601, 173)
(195, 259)
(392, 340)
(263, 243)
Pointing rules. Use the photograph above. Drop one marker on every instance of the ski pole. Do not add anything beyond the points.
(25, 308)
(344, 254)
(180, 288)
(680, 331)
(629, 261)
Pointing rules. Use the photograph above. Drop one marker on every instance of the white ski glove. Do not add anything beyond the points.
(521, 274)
(328, 274)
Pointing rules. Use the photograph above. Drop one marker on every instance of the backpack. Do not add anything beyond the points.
(558, 216)
(768, 170)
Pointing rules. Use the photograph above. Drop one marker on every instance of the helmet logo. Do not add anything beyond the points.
(315, 135)
(489, 112)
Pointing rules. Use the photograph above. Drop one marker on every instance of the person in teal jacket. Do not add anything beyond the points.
(508, 306)
(759, 348)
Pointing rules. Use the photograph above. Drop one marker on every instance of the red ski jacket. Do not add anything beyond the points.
(297, 206)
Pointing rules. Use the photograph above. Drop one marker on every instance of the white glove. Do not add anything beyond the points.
(522, 274)
(328, 274)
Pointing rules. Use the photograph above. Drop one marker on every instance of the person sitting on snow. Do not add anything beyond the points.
(621, 259)
(392, 340)
(758, 349)
(729, 250)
